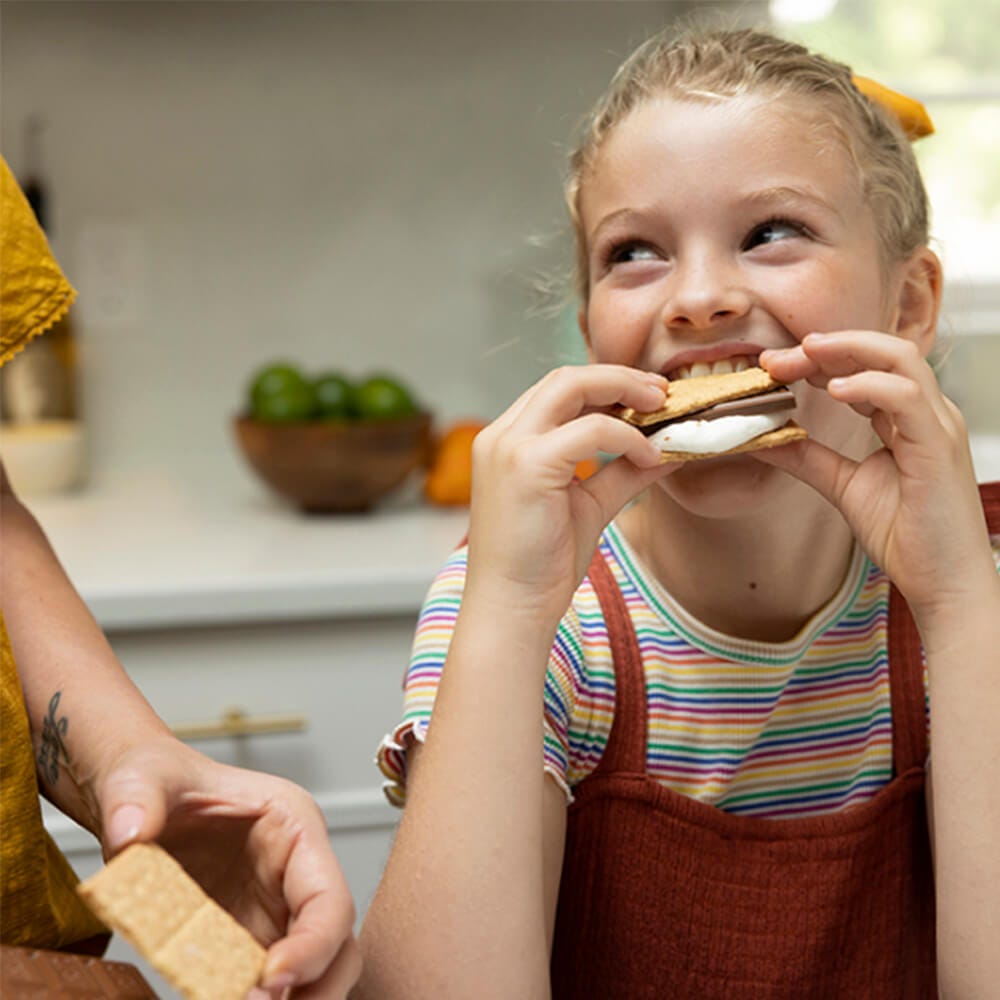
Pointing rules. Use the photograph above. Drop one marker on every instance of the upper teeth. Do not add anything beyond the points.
(723, 367)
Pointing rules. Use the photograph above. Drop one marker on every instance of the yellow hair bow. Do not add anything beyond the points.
(910, 113)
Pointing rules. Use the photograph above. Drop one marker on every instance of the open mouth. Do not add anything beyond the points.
(724, 366)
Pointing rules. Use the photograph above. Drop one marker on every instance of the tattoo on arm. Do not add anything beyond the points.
(53, 731)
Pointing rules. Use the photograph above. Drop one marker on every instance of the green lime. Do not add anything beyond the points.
(334, 396)
(280, 394)
(383, 398)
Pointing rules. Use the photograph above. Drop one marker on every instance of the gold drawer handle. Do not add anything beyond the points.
(236, 722)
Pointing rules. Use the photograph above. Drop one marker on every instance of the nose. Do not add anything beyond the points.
(704, 290)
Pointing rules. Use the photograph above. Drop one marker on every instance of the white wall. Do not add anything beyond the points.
(354, 185)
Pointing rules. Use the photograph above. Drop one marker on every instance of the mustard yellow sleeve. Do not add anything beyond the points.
(38, 902)
(34, 293)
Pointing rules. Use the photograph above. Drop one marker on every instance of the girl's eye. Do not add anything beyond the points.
(626, 253)
(772, 231)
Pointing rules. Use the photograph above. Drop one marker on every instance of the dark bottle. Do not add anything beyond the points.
(41, 437)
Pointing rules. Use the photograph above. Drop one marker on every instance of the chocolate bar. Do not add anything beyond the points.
(769, 402)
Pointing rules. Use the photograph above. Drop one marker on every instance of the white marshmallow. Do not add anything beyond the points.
(706, 437)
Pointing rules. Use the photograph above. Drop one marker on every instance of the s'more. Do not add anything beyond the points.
(707, 416)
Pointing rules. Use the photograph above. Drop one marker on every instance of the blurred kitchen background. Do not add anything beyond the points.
(373, 185)
(361, 186)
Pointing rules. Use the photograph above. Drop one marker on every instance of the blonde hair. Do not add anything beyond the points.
(725, 64)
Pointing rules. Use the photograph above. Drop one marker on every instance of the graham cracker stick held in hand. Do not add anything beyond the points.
(145, 895)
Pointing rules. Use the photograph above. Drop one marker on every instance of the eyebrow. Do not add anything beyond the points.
(783, 194)
(619, 213)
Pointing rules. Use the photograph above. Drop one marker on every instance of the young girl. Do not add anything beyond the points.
(695, 763)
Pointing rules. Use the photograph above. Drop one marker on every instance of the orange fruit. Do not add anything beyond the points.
(449, 481)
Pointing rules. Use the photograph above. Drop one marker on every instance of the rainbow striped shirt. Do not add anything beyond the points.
(776, 730)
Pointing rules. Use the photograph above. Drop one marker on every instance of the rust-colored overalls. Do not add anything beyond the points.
(667, 897)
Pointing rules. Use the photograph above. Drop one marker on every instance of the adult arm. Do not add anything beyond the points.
(256, 842)
(65, 664)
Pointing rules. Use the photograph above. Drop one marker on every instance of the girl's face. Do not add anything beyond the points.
(715, 230)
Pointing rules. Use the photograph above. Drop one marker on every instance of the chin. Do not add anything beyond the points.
(723, 488)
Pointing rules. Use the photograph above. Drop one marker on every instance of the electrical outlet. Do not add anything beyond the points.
(111, 276)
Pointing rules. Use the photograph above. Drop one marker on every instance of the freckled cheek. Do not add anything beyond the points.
(619, 332)
(844, 299)
(812, 314)
(819, 298)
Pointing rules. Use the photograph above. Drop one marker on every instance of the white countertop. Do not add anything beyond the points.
(150, 551)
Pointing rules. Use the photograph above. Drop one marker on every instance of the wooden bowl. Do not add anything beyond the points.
(335, 467)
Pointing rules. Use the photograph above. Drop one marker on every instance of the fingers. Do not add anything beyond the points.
(818, 466)
(563, 447)
(914, 416)
(562, 419)
(319, 903)
(571, 391)
(875, 373)
(135, 800)
(314, 943)
(825, 356)
(167, 791)
(339, 978)
(618, 482)
(162, 784)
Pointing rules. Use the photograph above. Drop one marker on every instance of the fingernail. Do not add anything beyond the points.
(124, 825)
(278, 980)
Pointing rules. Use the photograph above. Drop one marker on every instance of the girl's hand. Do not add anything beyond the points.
(256, 843)
(913, 504)
(533, 529)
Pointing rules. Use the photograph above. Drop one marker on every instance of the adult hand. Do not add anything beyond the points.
(256, 843)
(912, 504)
(533, 529)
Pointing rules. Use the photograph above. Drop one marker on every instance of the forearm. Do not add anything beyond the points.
(82, 707)
(964, 671)
(460, 911)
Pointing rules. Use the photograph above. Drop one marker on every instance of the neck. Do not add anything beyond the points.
(745, 576)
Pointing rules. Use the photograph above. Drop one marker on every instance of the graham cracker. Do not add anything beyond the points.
(772, 439)
(688, 395)
(145, 895)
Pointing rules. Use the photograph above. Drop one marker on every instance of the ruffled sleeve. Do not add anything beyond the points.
(432, 639)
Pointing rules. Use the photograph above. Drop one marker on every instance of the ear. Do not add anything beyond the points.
(581, 320)
(918, 299)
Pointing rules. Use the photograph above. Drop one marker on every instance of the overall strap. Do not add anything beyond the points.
(906, 668)
(989, 493)
(626, 749)
(906, 687)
